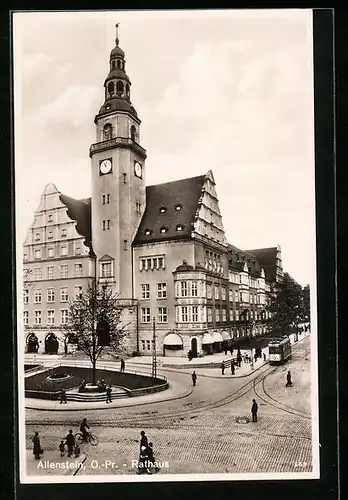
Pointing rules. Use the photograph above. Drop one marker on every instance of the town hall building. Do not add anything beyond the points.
(161, 248)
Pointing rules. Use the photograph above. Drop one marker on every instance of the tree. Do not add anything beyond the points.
(95, 322)
(306, 309)
(286, 305)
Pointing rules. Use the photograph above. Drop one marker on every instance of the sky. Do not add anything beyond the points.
(227, 91)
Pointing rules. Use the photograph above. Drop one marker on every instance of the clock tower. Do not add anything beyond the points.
(118, 179)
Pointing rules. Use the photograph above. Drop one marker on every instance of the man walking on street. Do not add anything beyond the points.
(254, 409)
(70, 442)
(63, 397)
(108, 394)
(194, 379)
(232, 368)
(288, 380)
(223, 368)
(123, 365)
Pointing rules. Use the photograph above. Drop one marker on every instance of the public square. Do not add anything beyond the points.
(199, 431)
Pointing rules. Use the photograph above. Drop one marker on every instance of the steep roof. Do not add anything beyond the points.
(267, 257)
(185, 194)
(80, 210)
(238, 257)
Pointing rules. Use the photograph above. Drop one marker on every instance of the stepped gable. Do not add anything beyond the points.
(80, 210)
(267, 258)
(170, 210)
(237, 258)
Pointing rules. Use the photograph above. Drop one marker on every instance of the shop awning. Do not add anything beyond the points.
(207, 339)
(225, 336)
(172, 339)
(217, 337)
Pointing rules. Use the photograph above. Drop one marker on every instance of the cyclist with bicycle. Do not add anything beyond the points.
(83, 428)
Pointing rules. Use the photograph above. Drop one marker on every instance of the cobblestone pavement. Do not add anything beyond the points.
(192, 439)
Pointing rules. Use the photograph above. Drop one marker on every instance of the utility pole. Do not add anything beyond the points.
(154, 361)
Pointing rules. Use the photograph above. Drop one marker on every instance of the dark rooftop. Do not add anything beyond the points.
(267, 257)
(238, 257)
(170, 210)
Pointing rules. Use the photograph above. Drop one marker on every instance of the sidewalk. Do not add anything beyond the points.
(175, 391)
(52, 464)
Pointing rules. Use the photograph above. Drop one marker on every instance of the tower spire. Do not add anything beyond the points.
(117, 39)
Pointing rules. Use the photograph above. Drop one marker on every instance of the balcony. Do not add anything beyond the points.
(117, 142)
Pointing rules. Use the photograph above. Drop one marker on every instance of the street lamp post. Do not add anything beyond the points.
(154, 360)
(251, 349)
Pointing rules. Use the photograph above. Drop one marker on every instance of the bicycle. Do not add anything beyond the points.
(90, 438)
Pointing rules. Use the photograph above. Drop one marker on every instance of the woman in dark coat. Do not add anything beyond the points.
(37, 446)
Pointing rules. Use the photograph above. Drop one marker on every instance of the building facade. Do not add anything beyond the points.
(161, 248)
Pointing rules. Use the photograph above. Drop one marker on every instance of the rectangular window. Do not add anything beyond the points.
(142, 264)
(104, 225)
(50, 235)
(64, 233)
(50, 218)
(148, 345)
(37, 297)
(148, 263)
(237, 315)
(209, 291)
(224, 314)
(145, 291)
(37, 316)
(64, 314)
(50, 317)
(106, 271)
(64, 251)
(64, 296)
(26, 317)
(50, 272)
(78, 251)
(38, 254)
(194, 288)
(162, 315)
(217, 292)
(210, 315)
(230, 295)
(38, 273)
(145, 315)
(217, 315)
(26, 296)
(108, 198)
(125, 244)
(143, 345)
(78, 292)
(50, 252)
(103, 199)
(194, 314)
(161, 290)
(223, 293)
(183, 288)
(108, 224)
(37, 236)
(25, 257)
(64, 271)
(161, 262)
(184, 314)
(50, 295)
(78, 270)
(124, 178)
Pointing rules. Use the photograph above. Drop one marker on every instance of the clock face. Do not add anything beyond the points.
(105, 167)
(137, 169)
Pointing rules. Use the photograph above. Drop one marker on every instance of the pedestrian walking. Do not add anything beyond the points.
(232, 368)
(123, 365)
(143, 439)
(194, 378)
(37, 450)
(62, 448)
(77, 451)
(288, 380)
(225, 351)
(255, 357)
(223, 368)
(151, 457)
(108, 394)
(254, 409)
(264, 356)
(70, 442)
(63, 397)
(231, 351)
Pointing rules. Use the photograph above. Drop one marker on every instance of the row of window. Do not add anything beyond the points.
(51, 272)
(161, 291)
(162, 315)
(50, 295)
(63, 234)
(151, 263)
(51, 253)
(38, 316)
(163, 229)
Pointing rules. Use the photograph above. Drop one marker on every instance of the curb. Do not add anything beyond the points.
(77, 470)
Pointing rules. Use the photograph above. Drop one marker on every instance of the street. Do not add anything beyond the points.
(200, 433)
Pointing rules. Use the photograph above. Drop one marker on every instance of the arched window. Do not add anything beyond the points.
(127, 90)
(133, 131)
(118, 63)
(107, 131)
(119, 88)
(113, 65)
(111, 88)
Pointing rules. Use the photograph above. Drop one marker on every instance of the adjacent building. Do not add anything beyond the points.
(161, 248)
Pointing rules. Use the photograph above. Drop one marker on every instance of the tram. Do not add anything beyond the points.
(279, 350)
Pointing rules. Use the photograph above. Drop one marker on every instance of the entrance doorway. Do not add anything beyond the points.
(51, 344)
(194, 348)
(33, 344)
